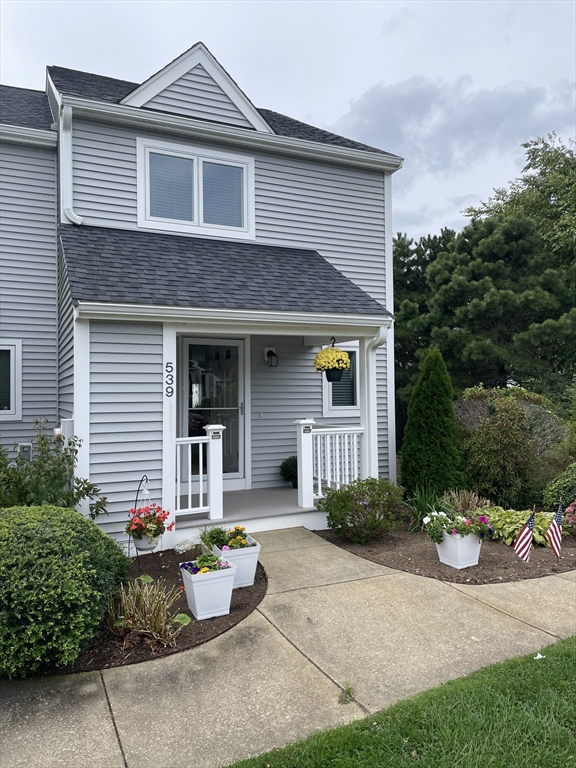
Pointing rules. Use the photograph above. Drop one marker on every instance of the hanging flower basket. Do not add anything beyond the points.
(332, 360)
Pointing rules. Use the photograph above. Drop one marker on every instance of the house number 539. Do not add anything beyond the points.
(169, 379)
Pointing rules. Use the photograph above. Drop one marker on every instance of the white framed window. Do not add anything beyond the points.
(10, 380)
(200, 191)
(341, 398)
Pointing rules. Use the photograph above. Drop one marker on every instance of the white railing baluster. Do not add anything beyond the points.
(336, 457)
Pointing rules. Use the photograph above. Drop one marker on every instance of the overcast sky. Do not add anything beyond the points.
(454, 87)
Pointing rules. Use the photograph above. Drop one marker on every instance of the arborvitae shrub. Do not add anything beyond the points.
(56, 571)
(430, 453)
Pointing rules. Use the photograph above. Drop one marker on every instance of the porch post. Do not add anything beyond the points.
(364, 407)
(214, 470)
(169, 431)
(305, 451)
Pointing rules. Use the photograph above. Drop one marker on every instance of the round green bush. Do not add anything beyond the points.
(561, 489)
(56, 571)
(363, 509)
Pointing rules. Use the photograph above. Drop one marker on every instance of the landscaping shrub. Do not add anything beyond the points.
(56, 571)
(430, 450)
(500, 457)
(363, 509)
(508, 522)
(561, 489)
(48, 477)
(536, 452)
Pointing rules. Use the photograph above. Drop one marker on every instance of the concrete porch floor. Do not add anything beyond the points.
(261, 509)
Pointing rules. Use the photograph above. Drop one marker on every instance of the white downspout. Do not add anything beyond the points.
(66, 166)
(369, 403)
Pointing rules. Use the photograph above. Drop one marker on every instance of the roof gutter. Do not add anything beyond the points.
(147, 119)
(65, 130)
(286, 323)
(34, 137)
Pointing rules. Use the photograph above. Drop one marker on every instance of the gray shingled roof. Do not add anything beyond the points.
(89, 86)
(21, 106)
(124, 266)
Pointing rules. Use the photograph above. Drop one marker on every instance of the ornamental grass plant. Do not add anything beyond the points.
(142, 607)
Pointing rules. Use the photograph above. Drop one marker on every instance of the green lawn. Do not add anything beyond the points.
(519, 714)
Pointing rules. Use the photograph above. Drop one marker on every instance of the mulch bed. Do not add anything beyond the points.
(411, 552)
(415, 553)
(109, 650)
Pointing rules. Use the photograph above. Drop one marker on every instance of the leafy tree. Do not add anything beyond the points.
(430, 449)
(546, 193)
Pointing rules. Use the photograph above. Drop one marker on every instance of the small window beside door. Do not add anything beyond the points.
(340, 398)
(10, 380)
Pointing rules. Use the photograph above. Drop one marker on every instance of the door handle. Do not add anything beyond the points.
(241, 409)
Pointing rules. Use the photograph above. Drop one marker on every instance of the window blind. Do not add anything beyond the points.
(344, 391)
(222, 189)
(5, 380)
(171, 187)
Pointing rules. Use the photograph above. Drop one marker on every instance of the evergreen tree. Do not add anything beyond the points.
(430, 449)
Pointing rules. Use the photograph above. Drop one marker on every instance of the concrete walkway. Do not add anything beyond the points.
(330, 619)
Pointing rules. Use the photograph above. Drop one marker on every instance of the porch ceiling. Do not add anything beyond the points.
(144, 269)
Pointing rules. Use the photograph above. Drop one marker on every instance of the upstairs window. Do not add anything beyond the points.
(10, 380)
(185, 189)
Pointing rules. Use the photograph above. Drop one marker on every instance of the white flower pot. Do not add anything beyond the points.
(145, 544)
(209, 594)
(245, 561)
(459, 551)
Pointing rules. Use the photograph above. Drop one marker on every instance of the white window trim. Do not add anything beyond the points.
(15, 348)
(332, 411)
(196, 227)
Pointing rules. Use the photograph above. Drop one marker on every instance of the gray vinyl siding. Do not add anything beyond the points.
(337, 211)
(279, 397)
(65, 343)
(197, 95)
(125, 414)
(104, 179)
(28, 286)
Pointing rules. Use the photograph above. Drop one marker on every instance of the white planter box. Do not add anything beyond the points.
(245, 561)
(459, 551)
(209, 594)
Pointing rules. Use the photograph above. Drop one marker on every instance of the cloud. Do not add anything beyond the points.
(444, 127)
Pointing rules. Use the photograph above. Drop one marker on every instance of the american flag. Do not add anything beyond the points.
(523, 542)
(554, 532)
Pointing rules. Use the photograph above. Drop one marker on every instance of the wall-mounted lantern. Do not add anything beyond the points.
(271, 356)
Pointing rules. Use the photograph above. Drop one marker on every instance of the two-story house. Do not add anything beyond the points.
(172, 260)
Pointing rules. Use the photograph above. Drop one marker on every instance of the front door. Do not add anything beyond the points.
(213, 393)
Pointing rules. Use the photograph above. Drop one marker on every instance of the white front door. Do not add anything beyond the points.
(212, 392)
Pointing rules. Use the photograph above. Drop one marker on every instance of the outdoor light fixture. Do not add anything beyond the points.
(272, 357)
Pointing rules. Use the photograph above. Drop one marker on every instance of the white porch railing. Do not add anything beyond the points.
(199, 478)
(328, 457)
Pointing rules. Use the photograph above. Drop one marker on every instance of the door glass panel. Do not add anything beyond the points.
(213, 396)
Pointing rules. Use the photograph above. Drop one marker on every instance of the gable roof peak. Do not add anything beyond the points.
(198, 54)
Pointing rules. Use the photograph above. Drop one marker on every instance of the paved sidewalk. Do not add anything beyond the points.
(329, 619)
